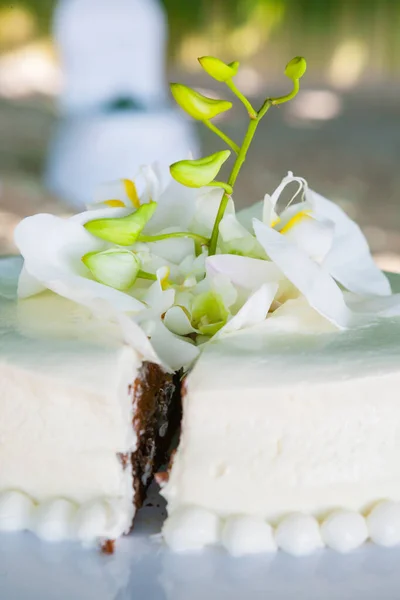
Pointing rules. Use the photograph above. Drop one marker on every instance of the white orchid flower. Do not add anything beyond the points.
(325, 233)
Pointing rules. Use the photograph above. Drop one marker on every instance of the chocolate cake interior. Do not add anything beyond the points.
(157, 413)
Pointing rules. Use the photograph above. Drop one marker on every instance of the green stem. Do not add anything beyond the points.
(293, 93)
(167, 236)
(221, 184)
(144, 275)
(235, 172)
(223, 136)
(243, 99)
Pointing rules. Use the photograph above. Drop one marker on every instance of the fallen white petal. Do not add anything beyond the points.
(314, 282)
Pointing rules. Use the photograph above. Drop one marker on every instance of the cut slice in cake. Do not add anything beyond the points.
(84, 420)
(282, 426)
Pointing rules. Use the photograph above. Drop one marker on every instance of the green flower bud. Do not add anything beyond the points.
(123, 231)
(217, 69)
(296, 68)
(196, 105)
(115, 268)
(196, 173)
(209, 313)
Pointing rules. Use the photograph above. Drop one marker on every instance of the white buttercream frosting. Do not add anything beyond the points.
(54, 520)
(247, 535)
(344, 530)
(60, 519)
(299, 535)
(384, 523)
(289, 419)
(191, 529)
(15, 511)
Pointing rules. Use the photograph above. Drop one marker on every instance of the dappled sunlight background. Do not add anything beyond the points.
(342, 132)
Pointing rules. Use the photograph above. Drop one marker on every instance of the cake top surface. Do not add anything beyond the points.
(296, 346)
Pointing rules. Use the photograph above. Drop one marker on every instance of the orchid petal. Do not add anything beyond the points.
(269, 215)
(312, 281)
(290, 178)
(245, 216)
(209, 313)
(176, 207)
(52, 248)
(248, 273)
(314, 236)
(177, 320)
(153, 184)
(135, 337)
(236, 239)
(118, 193)
(173, 249)
(223, 287)
(158, 299)
(349, 260)
(254, 311)
(207, 205)
(114, 267)
(174, 351)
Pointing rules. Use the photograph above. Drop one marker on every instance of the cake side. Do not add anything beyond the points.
(277, 425)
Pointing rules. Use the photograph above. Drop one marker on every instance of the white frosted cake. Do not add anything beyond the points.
(83, 420)
(287, 333)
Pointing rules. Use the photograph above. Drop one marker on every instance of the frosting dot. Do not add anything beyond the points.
(53, 520)
(344, 530)
(247, 535)
(384, 523)
(191, 529)
(299, 534)
(15, 511)
(91, 521)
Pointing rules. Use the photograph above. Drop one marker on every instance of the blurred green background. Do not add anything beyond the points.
(342, 132)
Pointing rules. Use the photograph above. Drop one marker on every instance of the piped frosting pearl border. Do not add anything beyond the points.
(193, 528)
(61, 519)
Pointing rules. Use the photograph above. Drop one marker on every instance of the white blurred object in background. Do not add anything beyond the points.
(114, 102)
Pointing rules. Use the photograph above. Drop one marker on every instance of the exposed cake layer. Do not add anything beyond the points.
(81, 416)
(291, 418)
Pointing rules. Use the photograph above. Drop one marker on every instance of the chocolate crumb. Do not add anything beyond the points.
(108, 547)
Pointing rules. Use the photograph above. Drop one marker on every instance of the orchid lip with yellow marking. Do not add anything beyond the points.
(115, 203)
(131, 192)
(275, 222)
(295, 220)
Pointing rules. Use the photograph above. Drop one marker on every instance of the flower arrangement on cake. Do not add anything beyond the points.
(181, 262)
(284, 327)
